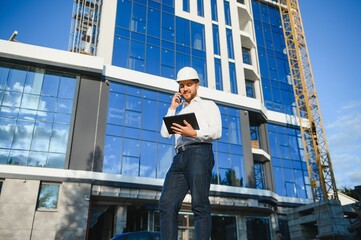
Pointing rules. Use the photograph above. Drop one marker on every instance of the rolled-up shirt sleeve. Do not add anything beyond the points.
(211, 123)
(164, 130)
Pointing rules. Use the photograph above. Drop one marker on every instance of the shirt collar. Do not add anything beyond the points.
(195, 99)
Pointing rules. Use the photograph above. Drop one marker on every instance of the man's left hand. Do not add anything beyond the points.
(186, 131)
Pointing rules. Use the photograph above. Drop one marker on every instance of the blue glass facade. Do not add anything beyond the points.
(273, 61)
(150, 38)
(35, 116)
(135, 147)
(229, 151)
(289, 166)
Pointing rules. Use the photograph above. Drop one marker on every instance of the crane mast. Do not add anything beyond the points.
(313, 135)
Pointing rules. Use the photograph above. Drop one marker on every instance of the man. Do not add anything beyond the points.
(192, 165)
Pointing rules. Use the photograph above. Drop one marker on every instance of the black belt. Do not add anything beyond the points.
(191, 145)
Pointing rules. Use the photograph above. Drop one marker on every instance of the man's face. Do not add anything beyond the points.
(188, 89)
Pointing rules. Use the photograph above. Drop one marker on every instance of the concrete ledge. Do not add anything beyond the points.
(49, 56)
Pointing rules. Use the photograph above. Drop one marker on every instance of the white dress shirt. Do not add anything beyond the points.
(209, 121)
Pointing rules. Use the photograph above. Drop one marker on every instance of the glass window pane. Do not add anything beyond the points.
(47, 104)
(250, 89)
(37, 159)
(200, 8)
(165, 156)
(246, 53)
(34, 81)
(59, 138)
(182, 60)
(116, 105)
(121, 52)
(227, 13)
(200, 66)
(153, 22)
(4, 156)
(230, 43)
(41, 139)
(197, 35)
(233, 77)
(64, 106)
(30, 101)
(112, 154)
(138, 18)
(148, 109)
(123, 14)
(131, 147)
(18, 157)
(16, 80)
(137, 56)
(218, 74)
(11, 99)
(148, 159)
(7, 132)
(132, 119)
(51, 85)
(153, 60)
(48, 196)
(56, 160)
(4, 74)
(224, 227)
(168, 27)
(67, 87)
(167, 58)
(216, 45)
(183, 32)
(23, 135)
(130, 166)
(186, 5)
(214, 10)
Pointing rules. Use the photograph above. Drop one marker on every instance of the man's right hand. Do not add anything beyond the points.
(176, 101)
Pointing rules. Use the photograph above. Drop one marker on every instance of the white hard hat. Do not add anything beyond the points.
(187, 73)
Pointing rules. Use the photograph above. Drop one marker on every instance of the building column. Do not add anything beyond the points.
(120, 219)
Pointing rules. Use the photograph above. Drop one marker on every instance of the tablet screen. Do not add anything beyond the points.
(189, 117)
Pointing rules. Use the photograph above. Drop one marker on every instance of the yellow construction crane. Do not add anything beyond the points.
(313, 135)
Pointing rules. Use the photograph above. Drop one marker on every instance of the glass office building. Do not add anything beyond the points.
(81, 154)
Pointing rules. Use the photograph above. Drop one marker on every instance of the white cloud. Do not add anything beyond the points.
(344, 141)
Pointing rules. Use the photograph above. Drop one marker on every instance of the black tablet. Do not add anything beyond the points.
(189, 117)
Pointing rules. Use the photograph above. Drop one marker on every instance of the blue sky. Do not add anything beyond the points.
(333, 34)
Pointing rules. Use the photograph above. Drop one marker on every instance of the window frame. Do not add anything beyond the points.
(38, 207)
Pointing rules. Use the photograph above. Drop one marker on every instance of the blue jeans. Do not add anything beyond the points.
(190, 170)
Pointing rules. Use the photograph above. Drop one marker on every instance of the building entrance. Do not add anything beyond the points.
(107, 220)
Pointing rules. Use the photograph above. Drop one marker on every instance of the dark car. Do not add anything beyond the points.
(143, 235)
